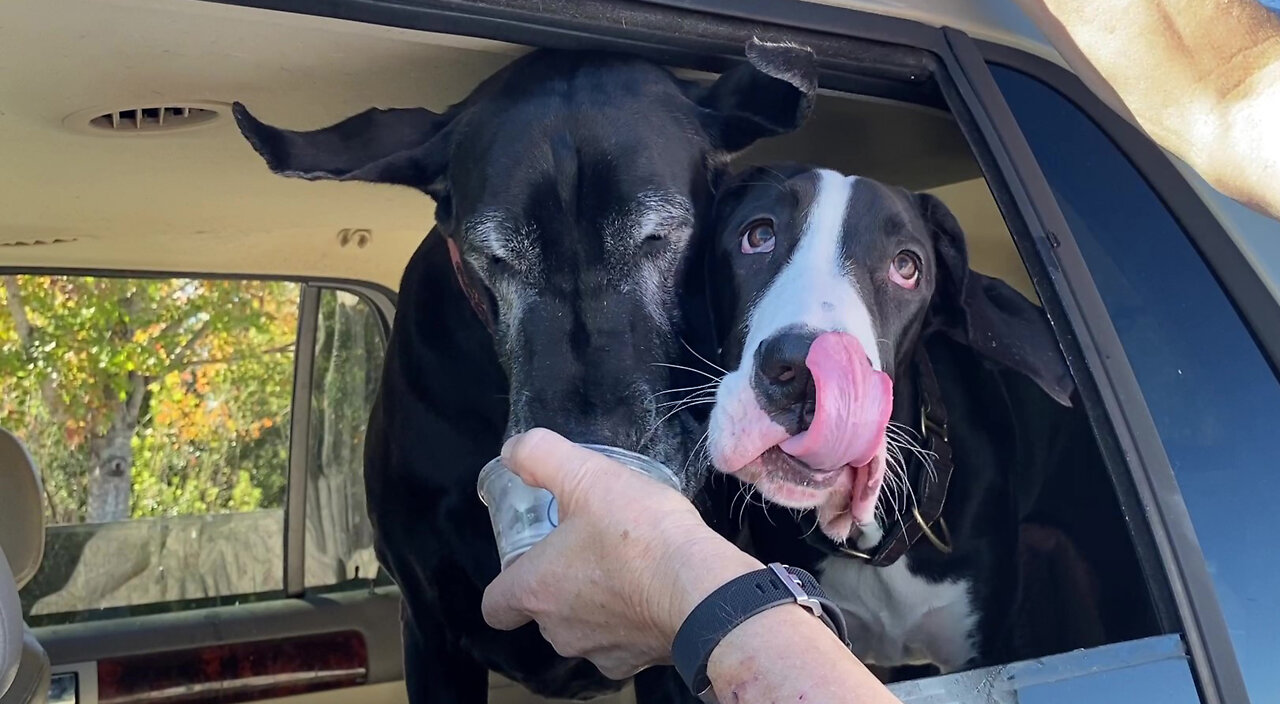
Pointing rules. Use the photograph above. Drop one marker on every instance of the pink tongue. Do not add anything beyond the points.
(853, 406)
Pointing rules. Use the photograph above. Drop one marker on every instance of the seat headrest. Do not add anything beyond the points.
(21, 509)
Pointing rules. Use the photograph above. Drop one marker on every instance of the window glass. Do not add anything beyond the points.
(158, 413)
(1214, 398)
(1256, 234)
(345, 375)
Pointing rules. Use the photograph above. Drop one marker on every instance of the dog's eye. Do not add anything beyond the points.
(757, 237)
(498, 264)
(904, 270)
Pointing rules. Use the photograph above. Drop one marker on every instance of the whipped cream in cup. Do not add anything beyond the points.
(522, 515)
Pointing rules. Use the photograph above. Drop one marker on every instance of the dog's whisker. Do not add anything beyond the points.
(685, 405)
(764, 506)
(898, 477)
(699, 391)
(908, 436)
(697, 447)
(695, 400)
(658, 424)
(926, 457)
(708, 362)
(901, 426)
(895, 450)
(812, 528)
(911, 445)
(895, 484)
(688, 369)
(744, 492)
(708, 385)
(696, 395)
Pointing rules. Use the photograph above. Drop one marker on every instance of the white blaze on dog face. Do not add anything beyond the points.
(818, 276)
(816, 289)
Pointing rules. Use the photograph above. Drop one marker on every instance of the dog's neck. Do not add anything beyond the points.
(446, 334)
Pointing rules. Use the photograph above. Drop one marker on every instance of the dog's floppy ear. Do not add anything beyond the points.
(988, 315)
(771, 94)
(403, 146)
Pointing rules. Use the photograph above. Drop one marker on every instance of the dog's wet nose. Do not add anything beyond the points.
(782, 358)
(783, 379)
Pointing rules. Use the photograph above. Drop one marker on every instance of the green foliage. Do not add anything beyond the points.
(198, 373)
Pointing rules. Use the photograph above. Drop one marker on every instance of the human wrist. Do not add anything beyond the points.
(801, 659)
(702, 565)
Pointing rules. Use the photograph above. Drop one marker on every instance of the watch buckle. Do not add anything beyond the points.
(793, 585)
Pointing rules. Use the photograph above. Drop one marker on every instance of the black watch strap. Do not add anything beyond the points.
(735, 602)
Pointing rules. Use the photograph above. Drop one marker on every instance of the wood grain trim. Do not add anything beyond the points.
(236, 672)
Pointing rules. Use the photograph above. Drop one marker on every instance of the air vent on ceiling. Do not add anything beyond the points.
(155, 118)
(35, 242)
(147, 119)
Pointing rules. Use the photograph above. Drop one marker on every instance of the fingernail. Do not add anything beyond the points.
(507, 447)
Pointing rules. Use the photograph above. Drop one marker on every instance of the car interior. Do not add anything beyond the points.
(121, 160)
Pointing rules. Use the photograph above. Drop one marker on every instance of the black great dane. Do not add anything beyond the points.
(567, 187)
(916, 418)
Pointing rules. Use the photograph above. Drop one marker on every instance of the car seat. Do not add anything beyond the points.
(24, 665)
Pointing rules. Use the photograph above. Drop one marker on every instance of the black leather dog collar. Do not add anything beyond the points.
(735, 602)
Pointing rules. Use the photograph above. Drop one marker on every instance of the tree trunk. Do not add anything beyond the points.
(111, 458)
(110, 461)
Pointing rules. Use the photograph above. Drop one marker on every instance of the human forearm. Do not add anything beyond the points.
(787, 655)
(781, 655)
(1199, 78)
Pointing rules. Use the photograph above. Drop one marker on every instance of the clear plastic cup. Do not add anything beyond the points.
(522, 515)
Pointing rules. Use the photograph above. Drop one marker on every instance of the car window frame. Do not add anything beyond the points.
(382, 301)
(1172, 535)
(912, 62)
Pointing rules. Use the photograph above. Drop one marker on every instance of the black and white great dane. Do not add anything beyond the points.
(568, 187)
(914, 416)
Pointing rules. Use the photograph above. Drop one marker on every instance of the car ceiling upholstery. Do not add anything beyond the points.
(200, 200)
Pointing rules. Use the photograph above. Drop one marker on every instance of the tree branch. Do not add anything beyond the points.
(136, 394)
(179, 358)
(171, 327)
(22, 324)
(238, 357)
(13, 299)
(54, 516)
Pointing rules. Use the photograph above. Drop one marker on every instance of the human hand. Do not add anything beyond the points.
(628, 562)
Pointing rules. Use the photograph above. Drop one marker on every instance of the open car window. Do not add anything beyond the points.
(1210, 390)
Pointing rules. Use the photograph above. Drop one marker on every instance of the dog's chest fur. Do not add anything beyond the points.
(898, 618)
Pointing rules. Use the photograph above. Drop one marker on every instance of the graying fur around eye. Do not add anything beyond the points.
(660, 213)
(495, 234)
